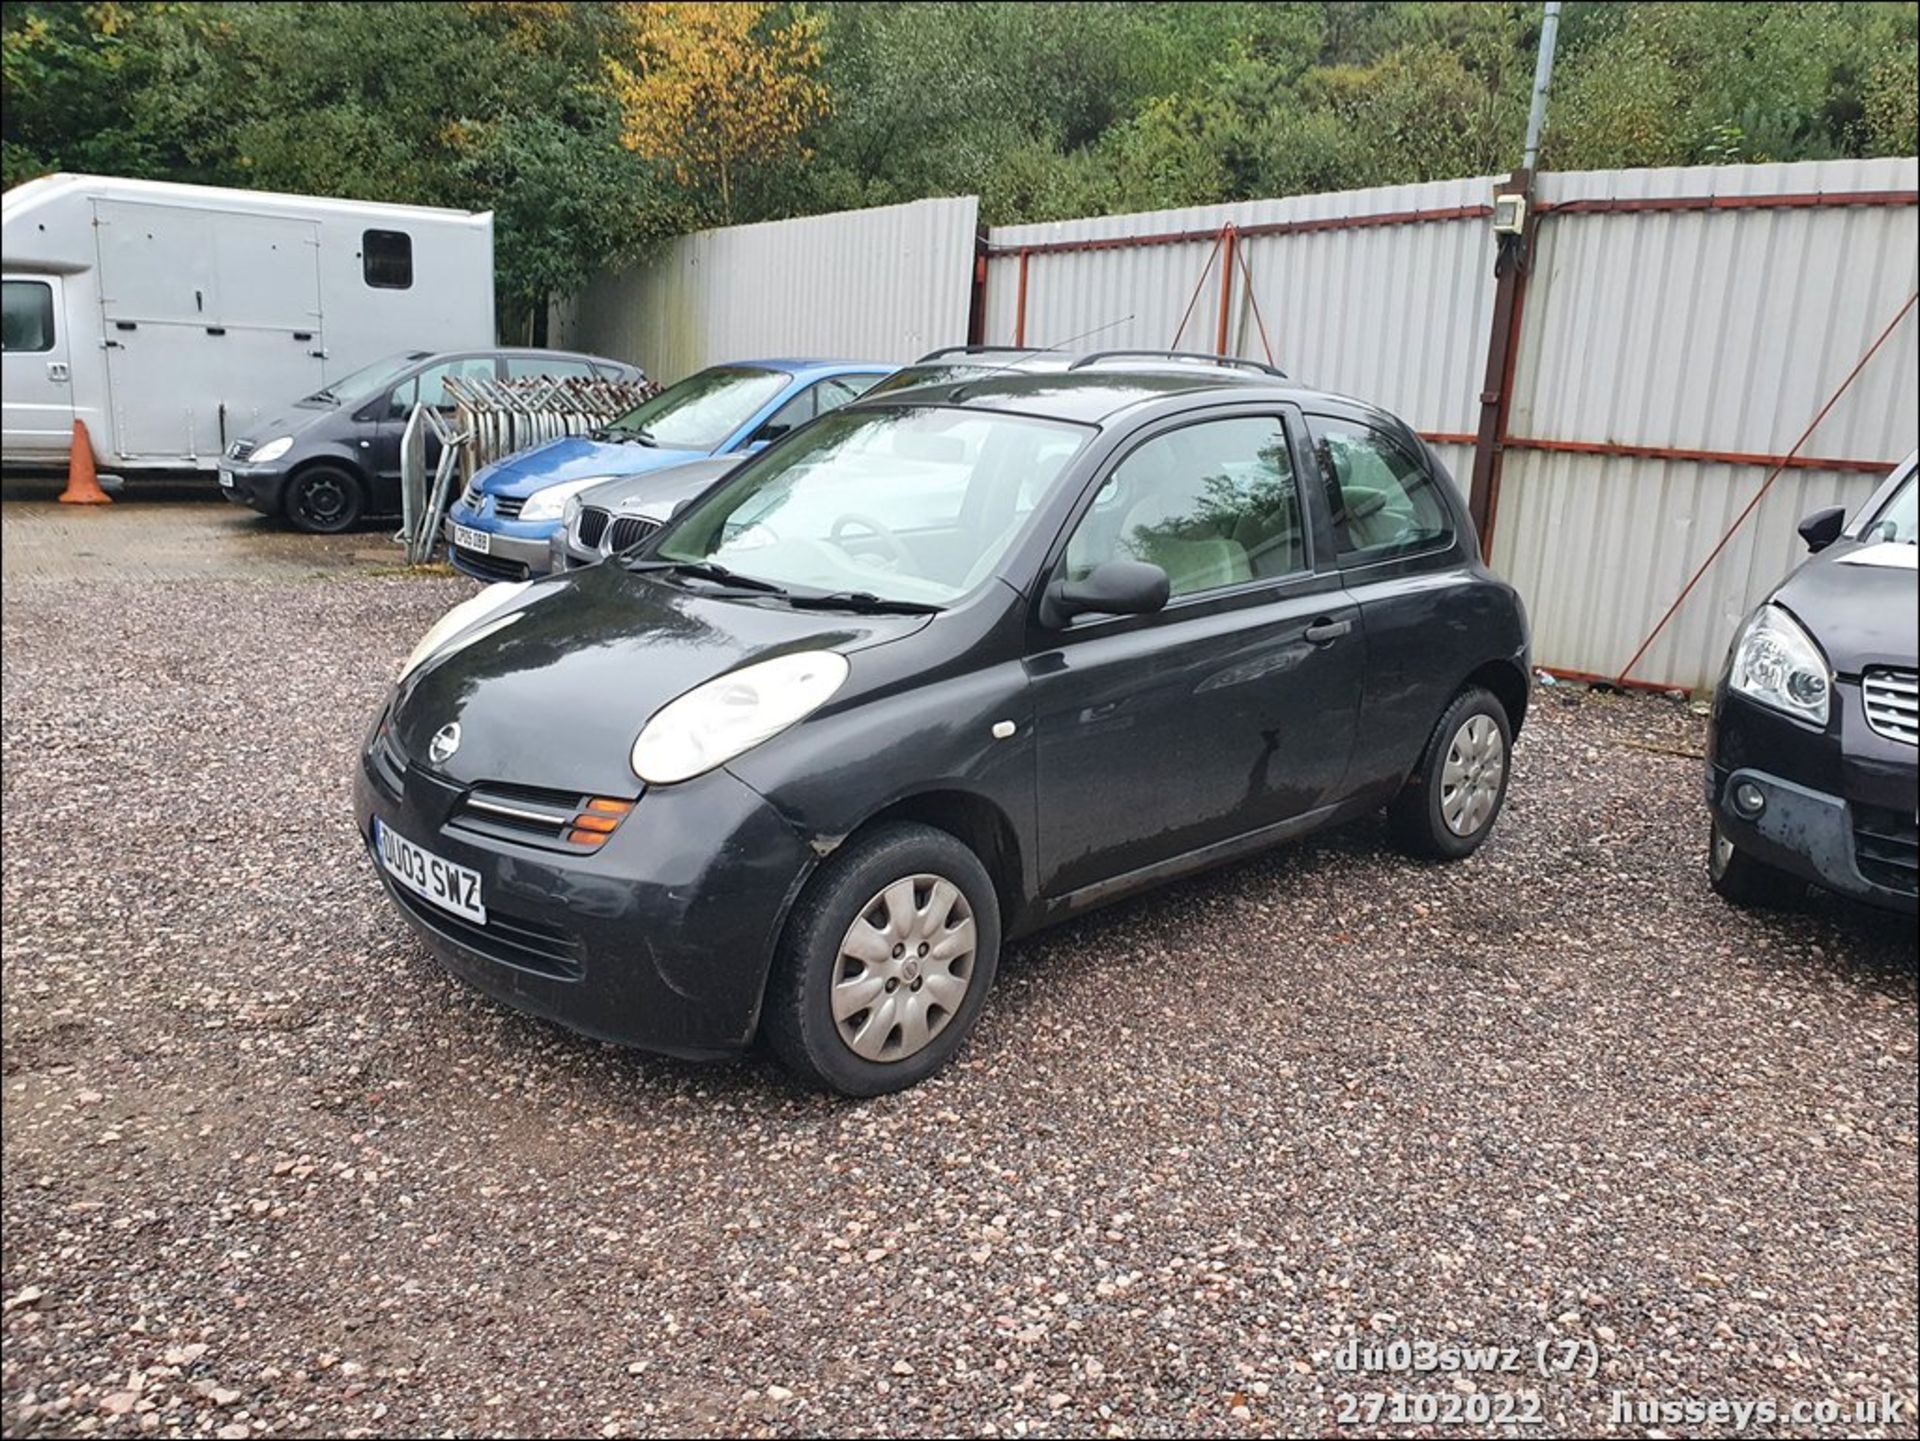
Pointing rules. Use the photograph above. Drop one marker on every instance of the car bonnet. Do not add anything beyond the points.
(556, 697)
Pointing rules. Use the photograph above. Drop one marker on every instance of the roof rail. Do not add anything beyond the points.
(945, 351)
(1190, 355)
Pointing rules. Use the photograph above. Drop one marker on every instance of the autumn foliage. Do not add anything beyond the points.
(712, 87)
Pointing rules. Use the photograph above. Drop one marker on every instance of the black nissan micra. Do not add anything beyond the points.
(935, 670)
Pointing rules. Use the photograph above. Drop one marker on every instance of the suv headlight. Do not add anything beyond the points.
(271, 451)
(1776, 663)
(713, 723)
(464, 622)
(551, 503)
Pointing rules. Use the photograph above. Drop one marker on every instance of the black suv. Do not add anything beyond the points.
(940, 668)
(335, 455)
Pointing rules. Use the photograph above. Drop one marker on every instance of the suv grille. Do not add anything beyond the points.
(593, 525)
(471, 500)
(508, 507)
(631, 530)
(240, 450)
(1893, 704)
(1886, 847)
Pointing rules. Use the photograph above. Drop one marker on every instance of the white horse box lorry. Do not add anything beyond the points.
(171, 317)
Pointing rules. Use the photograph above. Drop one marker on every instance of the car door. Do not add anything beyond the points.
(1229, 711)
(1404, 559)
(38, 389)
(429, 381)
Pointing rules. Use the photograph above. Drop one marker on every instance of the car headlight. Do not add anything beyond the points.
(1776, 663)
(272, 450)
(464, 624)
(551, 503)
(714, 722)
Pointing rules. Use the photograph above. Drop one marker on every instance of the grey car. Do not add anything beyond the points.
(609, 517)
(333, 457)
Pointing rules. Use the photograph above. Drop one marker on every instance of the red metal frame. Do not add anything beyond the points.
(1642, 203)
(1229, 237)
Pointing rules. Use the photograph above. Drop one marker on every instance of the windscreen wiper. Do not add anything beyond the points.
(707, 570)
(863, 601)
(638, 435)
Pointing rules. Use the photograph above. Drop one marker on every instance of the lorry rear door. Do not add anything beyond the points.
(36, 384)
(211, 320)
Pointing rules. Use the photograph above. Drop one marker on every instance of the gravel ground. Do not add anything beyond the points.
(268, 1171)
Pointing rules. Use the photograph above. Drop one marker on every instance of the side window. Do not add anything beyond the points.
(430, 384)
(520, 367)
(1214, 504)
(794, 414)
(1383, 502)
(27, 320)
(841, 389)
(386, 259)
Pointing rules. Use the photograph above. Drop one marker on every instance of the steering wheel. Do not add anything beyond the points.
(902, 557)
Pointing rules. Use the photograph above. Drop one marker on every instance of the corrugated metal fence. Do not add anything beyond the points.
(1680, 329)
(885, 284)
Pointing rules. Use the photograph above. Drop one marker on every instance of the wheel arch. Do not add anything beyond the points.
(1510, 685)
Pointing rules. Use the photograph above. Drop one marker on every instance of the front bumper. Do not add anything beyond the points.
(262, 487)
(1838, 807)
(661, 939)
(522, 553)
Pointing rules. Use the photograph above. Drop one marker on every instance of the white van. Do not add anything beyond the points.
(170, 318)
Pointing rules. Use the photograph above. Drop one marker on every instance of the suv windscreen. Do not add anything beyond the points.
(907, 505)
(704, 409)
(1897, 519)
(357, 385)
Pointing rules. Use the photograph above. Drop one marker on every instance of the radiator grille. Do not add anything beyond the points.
(1893, 704)
(631, 530)
(592, 526)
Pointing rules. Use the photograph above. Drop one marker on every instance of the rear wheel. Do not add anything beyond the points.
(1739, 878)
(324, 500)
(1450, 802)
(885, 963)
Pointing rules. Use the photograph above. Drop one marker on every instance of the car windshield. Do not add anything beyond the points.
(704, 409)
(906, 505)
(370, 379)
(1897, 519)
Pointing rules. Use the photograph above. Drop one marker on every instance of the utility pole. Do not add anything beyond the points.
(1513, 229)
(1542, 83)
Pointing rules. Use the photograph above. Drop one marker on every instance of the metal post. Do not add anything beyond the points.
(1020, 305)
(1228, 237)
(1503, 349)
(1542, 83)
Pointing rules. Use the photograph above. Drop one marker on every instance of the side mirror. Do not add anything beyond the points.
(1823, 527)
(1114, 587)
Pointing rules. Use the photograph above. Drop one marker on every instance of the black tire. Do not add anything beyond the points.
(1418, 815)
(798, 1019)
(325, 500)
(1741, 879)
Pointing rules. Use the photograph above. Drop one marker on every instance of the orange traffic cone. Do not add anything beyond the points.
(83, 486)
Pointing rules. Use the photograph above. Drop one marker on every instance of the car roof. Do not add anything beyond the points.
(1094, 389)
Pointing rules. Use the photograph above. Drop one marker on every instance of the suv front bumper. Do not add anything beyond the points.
(1836, 809)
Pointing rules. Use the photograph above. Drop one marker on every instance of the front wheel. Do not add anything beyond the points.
(885, 963)
(324, 500)
(1450, 802)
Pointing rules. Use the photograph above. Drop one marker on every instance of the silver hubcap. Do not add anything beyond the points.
(905, 965)
(1470, 780)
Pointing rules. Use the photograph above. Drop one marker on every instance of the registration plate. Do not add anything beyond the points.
(474, 540)
(226, 480)
(450, 887)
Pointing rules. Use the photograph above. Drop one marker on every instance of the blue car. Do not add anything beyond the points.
(499, 529)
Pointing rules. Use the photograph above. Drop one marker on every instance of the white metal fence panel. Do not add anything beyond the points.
(1353, 295)
(886, 284)
(1711, 330)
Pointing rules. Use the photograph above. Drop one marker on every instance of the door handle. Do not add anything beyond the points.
(1326, 632)
(57, 370)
